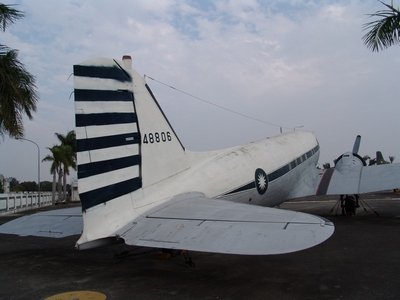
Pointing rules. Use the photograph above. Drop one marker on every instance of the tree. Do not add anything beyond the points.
(384, 32)
(46, 186)
(14, 185)
(55, 168)
(68, 159)
(68, 139)
(62, 158)
(29, 186)
(18, 95)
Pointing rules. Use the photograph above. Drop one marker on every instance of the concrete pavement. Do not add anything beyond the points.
(360, 261)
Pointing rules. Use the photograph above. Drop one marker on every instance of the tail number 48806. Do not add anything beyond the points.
(156, 137)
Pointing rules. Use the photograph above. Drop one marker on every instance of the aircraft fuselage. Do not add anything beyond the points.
(283, 165)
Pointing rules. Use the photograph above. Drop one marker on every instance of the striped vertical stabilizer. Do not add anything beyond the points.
(107, 132)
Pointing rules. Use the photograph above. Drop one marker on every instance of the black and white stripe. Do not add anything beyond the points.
(110, 72)
(107, 131)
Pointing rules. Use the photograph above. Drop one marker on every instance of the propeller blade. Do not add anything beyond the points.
(357, 144)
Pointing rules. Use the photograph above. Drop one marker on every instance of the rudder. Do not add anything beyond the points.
(124, 140)
(107, 132)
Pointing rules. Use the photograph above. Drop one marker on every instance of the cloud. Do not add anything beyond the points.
(287, 62)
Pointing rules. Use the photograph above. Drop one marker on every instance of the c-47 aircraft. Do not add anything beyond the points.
(138, 183)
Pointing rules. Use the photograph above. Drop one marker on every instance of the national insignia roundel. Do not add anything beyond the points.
(261, 179)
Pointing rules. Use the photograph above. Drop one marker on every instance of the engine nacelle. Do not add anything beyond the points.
(349, 160)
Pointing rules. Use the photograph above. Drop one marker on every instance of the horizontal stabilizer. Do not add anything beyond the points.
(194, 222)
(358, 180)
(380, 177)
(55, 223)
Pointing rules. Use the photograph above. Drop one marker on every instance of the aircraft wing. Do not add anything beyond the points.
(359, 179)
(54, 223)
(193, 222)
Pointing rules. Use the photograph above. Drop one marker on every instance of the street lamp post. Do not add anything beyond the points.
(38, 149)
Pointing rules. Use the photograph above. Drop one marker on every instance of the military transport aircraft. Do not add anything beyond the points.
(139, 184)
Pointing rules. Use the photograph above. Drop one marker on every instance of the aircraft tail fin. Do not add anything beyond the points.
(124, 141)
(379, 158)
(108, 139)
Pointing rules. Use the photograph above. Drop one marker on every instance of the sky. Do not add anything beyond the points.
(289, 63)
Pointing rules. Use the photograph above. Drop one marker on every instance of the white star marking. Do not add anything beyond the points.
(261, 181)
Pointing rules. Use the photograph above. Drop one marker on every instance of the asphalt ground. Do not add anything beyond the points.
(360, 261)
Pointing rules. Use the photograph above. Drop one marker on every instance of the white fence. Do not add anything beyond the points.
(13, 202)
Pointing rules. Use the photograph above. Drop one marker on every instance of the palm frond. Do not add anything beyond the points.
(18, 94)
(384, 32)
(54, 158)
(3, 49)
(8, 15)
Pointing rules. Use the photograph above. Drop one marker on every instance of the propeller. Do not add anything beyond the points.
(357, 144)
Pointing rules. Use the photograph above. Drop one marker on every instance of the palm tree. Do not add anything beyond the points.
(55, 168)
(384, 32)
(62, 158)
(18, 95)
(68, 156)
